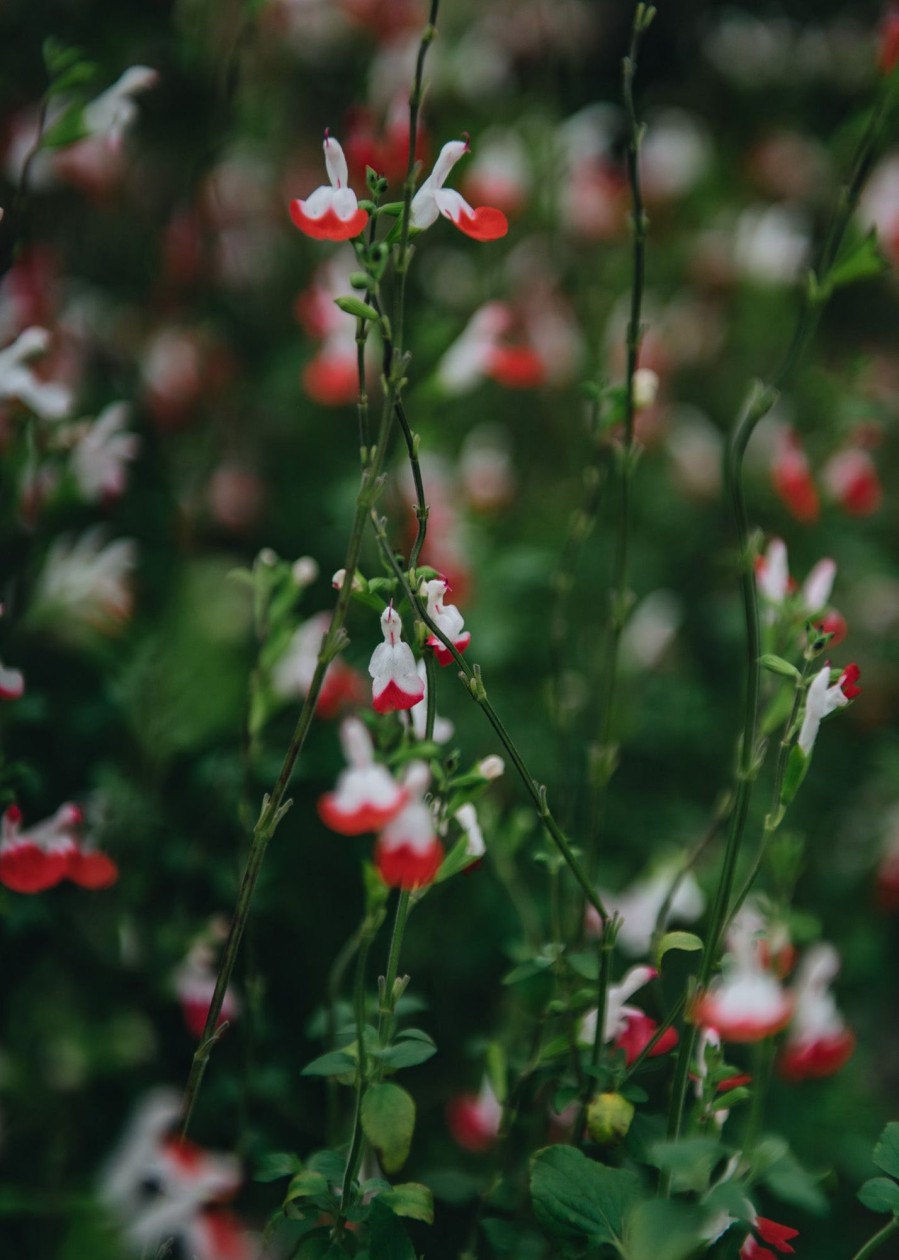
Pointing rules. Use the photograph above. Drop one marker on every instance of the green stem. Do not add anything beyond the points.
(877, 1240)
(354, 1158)
(475, 687)
(387, 1005)
(274, 805)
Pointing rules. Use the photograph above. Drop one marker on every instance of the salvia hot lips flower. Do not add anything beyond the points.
(818, 1042)
(35, 860)
(408, 853)
(483, 224)
(331, 213)
(448, 618)
(474, 1119)
(778, 1236)
(747, 1003)
(824, 698)
(395, 680)
(629, 1028)
(367, 796)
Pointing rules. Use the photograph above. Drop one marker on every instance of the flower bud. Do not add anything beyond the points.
(609, 1117)
(646, 387)
(492, 767)
(304, 571)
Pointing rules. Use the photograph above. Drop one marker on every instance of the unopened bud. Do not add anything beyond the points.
(609, 1117)
(337, 580)
(492, 767)
(268, 557)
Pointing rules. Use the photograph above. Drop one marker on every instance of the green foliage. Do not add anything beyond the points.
(388, 1122)
(576, 1199)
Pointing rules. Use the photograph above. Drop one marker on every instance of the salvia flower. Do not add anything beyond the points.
(818, 1042)
(822, 699)
(395, 680)
(617, 1011)
(293, 672)
(194, 980)
(850, 477)
(12, 683)
(367, 796)
(331, 213)
(747, 1003)
(18, 381)
(769, 1232)
(40, 858)
(408, 853)
(102, 453)
(474, 1119)
(792, 479)
(112, 112)
(483, 224)
(639, 905)
(448, 618)
(467, 818)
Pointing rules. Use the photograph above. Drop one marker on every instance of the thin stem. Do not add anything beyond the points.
(354, 1158)
(760, 400)
(387, 1006)
(877, 1240)
(274, 805)
(471, 677)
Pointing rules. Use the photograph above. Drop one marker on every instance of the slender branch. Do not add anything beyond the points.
(876, 1242)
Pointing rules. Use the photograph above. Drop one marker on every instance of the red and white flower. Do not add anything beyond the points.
(818, 1042)
(293, 672)
(618, 1014)
(747, 1003)
(367, 796)
(330, 213)
(792, 479)
(194, 981)
(822, 699)
(850, 477)
(638, 907)
(12, 683)
(449, 620)
(408, 852)
(485, 223)
(33, 861)
(482, 352)
(769, 1232)
(474, 1119)
(395, 680)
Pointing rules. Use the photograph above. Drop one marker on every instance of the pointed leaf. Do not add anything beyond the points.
(410, 1199)
(334, 1063)
(687, 941)
(861, 262)
(886, 1152)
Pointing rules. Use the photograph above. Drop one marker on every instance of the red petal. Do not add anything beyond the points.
(443, 654)
(328, 227)
(816, 1059)
(357, 821)
(777, 1235)
(331, 381)
(848, 680)
(91, 870)
(343, 688)
(26, 868)
(486, 224)
(465, 1123)
(403, 866)
(516, 367)
(393, 697)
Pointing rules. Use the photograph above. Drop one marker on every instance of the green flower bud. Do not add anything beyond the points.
(609, 1117)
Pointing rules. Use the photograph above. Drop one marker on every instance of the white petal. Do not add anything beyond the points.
(335, 162)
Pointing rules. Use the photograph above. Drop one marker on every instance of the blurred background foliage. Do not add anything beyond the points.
(171, 282)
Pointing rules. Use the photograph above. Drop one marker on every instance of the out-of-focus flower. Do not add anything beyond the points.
(499, 174)
(639, 906)
(50, 851)
(638, 1031)
(102, 453)
(330, 213)
(878, 205)
(367, 796)
(888, 40)
(492, 767)
(482, 351)
(485, 469)
(395, 680)
(293, 672)
(850, 477)
(474, 1119)
(17, 381)
(822, 699)
(112, 112)
(776, 586)
(385, 151)
(694, 445)
(467, 818)
(448, 618)
(12, 683)
(771, 243)
(161, 1188)
(709, 1046)
(792, 479)
(485, 223)
(770, 1232)
(194, 982)
(617, 1012)
(87, 581)
(818, 1042)
(408, 853)
(747, 1003)
(674, 155)
(651, 629)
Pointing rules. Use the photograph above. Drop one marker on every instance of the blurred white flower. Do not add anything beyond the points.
(771, 243)
(102, 453)
(114, 111)
(87, 581)
(45, 398)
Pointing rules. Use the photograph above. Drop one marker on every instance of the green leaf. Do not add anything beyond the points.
(797, 765)
(66, 130)
(586, 965)
(277, 1164)
(417, 1034)
(862, 261)
(660, 1230)
(334, 1063)
(307, 1185)
(733, 1097)
(355, 306)
(388, 1121)
(886, 1152)
(792, 1183)
(525, 970)
(880, 1194)
(688, 941)
(690, 1161)
(777, 665)
(575, 1198)
(387, 1238)
(411, 1199)
(406, 1054)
